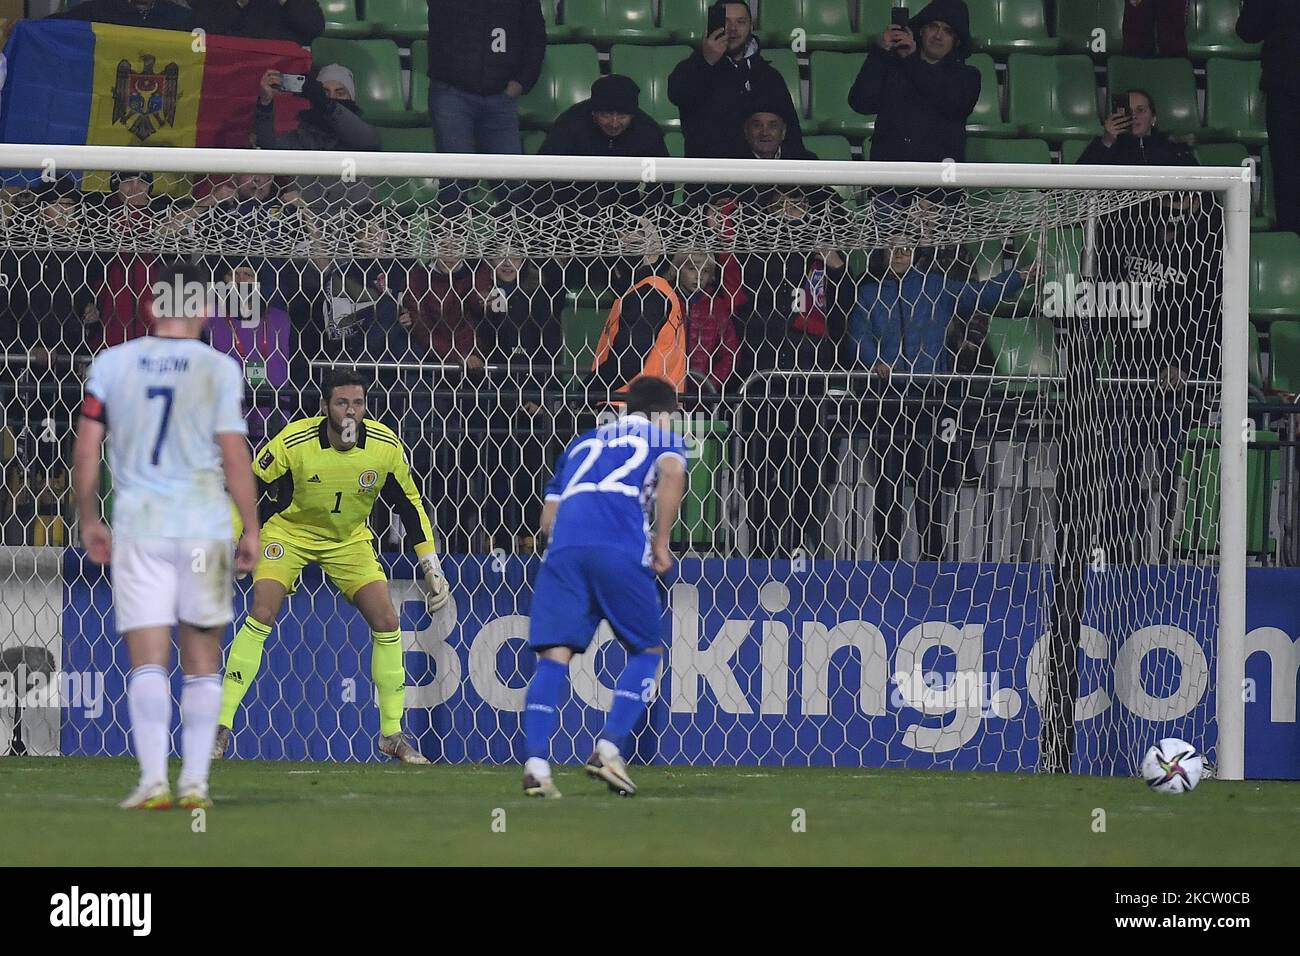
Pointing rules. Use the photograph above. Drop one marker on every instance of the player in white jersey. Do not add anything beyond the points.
(171, 408)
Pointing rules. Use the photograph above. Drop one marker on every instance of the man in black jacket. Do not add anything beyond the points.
(711, 86)
(155, 14)
(483, 55)
(1277, 24)
(298, 20)
(1130, 138)
(917, 84)
(608, 124)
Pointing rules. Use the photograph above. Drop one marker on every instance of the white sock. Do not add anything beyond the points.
(149, 703)
(538, 768)
(200, 708)
(605, 749)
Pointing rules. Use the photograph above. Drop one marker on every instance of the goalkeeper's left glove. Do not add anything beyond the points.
(439, 591)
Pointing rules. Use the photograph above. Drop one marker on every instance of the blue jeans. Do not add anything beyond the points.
(470, 123)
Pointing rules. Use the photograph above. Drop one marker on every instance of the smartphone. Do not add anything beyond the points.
(898, 17)
(1119, 104)
(292, 82)
(717, 19)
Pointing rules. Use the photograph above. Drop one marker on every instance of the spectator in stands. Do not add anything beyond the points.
(521, 318)
(334, 120)
(251, 327)
(916, 82)
(609, 123)
(711, 88)
(712, 344)
(442, 309)
(766, 129)
(1148, 22)
(298, 20)
(482, 58)
(49, 299)
(905, 307)
(1277, 24)
(645, 332)
(154, 14)
(1130, 138)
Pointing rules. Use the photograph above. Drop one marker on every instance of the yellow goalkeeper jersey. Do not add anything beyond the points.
(325, 495)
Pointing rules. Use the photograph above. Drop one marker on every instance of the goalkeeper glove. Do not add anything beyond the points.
(439, 591)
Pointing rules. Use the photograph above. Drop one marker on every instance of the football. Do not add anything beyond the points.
(1172, 766)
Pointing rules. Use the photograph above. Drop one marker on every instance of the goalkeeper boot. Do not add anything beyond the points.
(194, 796)
(222, 743)
(543, 787)
(395, 746)
(152, 796)
(613, 771)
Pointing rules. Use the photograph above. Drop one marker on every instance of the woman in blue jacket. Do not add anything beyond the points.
(901, 322)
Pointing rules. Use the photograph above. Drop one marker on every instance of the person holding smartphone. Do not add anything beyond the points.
(1129, 136)
(916, 83)
(711, 86)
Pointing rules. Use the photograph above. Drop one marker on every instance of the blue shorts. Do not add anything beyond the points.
(578, 587)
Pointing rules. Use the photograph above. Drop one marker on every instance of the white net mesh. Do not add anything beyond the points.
(954, 492)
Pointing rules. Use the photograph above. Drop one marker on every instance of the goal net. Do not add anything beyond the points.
(961, 491)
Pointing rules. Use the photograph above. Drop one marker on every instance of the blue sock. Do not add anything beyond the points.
(630, 697)
(541, 707)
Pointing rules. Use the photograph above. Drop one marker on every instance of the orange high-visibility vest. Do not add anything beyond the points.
(667, 357)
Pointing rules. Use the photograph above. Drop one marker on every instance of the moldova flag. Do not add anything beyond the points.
(70, 82)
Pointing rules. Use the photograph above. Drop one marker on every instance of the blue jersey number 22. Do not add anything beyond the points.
(166, 394)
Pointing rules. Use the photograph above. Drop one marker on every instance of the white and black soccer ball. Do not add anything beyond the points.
(1172, 766)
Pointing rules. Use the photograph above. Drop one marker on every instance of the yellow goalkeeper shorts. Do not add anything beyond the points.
(350, 565)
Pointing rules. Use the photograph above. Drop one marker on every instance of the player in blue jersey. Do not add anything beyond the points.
(601, 563)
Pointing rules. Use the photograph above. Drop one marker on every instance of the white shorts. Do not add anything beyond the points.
(160, 581)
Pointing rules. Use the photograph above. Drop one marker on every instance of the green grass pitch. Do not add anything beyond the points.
(62, 811)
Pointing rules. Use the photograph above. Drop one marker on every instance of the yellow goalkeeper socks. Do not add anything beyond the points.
(242, 665)
(388, 671)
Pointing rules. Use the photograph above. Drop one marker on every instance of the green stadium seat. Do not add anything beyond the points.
(1221, 154)
(986, 257)
(341, 20)
(1255, 372)
(1267, 212)
(650, 67)
(986, 119)
(533, 140)
(376, 66)
(567, 74)
(1006, 26)
(684, 20)
(1052, 97)
(831, 75)
(1200, 470)
(1007, 151)
(407, 139)
(830, 147)
(1022, 347)
(827, 25)
(1072, 149)
(1212, 31)
(1275, 275)
(1078, 20)
(700, 521)
(676, 143)
(787, 65)
(556, 32)
(400, 19)
(406, 192)
(420, 75)
(605, 22)
(1170, 81)
(1234, 103)
(1284, 356)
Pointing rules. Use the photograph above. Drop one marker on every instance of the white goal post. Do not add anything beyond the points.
(1021, 196)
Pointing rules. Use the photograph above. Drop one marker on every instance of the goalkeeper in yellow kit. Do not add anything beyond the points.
(325, 474)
